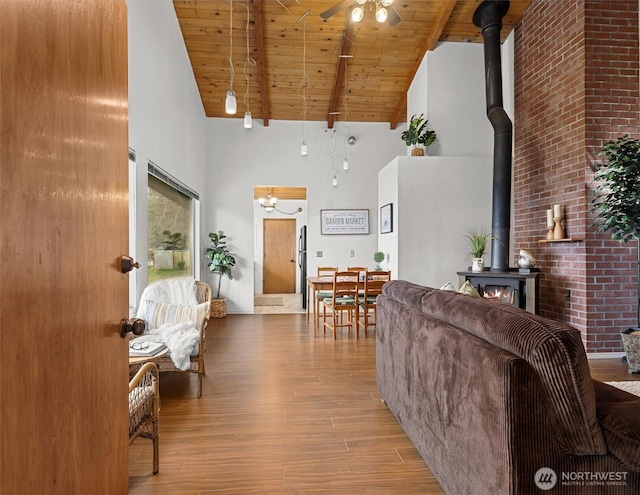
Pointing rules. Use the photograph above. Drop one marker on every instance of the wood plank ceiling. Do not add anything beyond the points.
(295, 69)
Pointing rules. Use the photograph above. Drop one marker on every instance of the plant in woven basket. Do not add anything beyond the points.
(221, 259)
(617, 200)
(417, 134)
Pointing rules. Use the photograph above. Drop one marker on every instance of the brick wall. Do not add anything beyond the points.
(577, 86)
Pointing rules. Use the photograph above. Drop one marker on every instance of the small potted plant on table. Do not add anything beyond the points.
(478, 243)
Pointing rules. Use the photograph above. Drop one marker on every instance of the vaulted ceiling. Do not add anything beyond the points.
(303, 67)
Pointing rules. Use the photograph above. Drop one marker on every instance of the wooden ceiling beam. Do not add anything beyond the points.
(430, 44)
(338, 86)
(261, 62)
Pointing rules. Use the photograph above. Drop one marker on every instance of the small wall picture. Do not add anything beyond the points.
(386, 218)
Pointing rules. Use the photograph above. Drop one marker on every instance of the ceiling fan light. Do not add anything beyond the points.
(386, 3)
(248, 121)
(230, 105)
(381, 14)
(357, 14)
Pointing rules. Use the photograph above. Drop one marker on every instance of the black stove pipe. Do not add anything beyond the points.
(488, 16)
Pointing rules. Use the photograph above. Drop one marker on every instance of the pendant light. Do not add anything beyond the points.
(334, 182)
(230, 105)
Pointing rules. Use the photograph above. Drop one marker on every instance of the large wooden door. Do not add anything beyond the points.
(279, 259)
(63, 226)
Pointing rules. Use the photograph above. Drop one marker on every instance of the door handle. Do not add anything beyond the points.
(134, 325)
(127, 264)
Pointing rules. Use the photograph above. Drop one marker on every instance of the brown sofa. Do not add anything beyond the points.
(500, 401)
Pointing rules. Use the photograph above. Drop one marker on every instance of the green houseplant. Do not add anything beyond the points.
(617, 208)
(477, 245)
(378, 257)
(221, 263)
(418, 135)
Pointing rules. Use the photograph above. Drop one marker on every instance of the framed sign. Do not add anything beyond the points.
(386, 218)
(337, 222)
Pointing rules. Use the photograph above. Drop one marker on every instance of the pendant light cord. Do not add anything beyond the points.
(305, 79)
(231, 69)
(248, 61)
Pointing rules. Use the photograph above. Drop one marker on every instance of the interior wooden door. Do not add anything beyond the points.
(279, 257)
(63, 224)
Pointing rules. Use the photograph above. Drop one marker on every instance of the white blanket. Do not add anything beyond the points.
(181, 339)
(181, 290)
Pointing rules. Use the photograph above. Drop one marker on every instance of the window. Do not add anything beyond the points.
(172, 227)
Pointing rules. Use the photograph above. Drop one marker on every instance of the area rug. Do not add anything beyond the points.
(268, 300)
(633, 386)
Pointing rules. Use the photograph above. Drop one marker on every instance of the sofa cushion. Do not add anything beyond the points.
(554, 350)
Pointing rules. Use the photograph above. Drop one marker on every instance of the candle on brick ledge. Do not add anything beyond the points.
(557, 211)
(550, 222)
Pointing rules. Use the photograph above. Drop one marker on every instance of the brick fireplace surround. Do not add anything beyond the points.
(577, 86)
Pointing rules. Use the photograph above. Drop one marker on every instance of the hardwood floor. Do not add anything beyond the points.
(284, 413)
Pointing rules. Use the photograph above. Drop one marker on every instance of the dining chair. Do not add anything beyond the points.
(344, 299)
(362, 270)
(320, 295)
(367, 300)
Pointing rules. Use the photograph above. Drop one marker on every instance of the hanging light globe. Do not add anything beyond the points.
(230, 105)
(381, 14)
(357, 14)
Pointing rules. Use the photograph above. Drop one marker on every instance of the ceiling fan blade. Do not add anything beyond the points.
(327, 14)
(394, 18)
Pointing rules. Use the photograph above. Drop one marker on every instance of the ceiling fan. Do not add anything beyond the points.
(384, 11)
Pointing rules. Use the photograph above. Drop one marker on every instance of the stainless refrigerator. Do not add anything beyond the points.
(302, 263)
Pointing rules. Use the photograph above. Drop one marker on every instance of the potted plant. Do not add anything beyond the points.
(477, 245)
(617, 196)
(378, 257)
(418, 135)
(221, 263)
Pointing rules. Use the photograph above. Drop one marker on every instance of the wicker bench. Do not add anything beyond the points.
(196, 360)
(144, 406)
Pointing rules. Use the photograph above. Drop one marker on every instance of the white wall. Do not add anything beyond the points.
(167, 124)
(436, 201)
(449, 89)
(241, 159)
